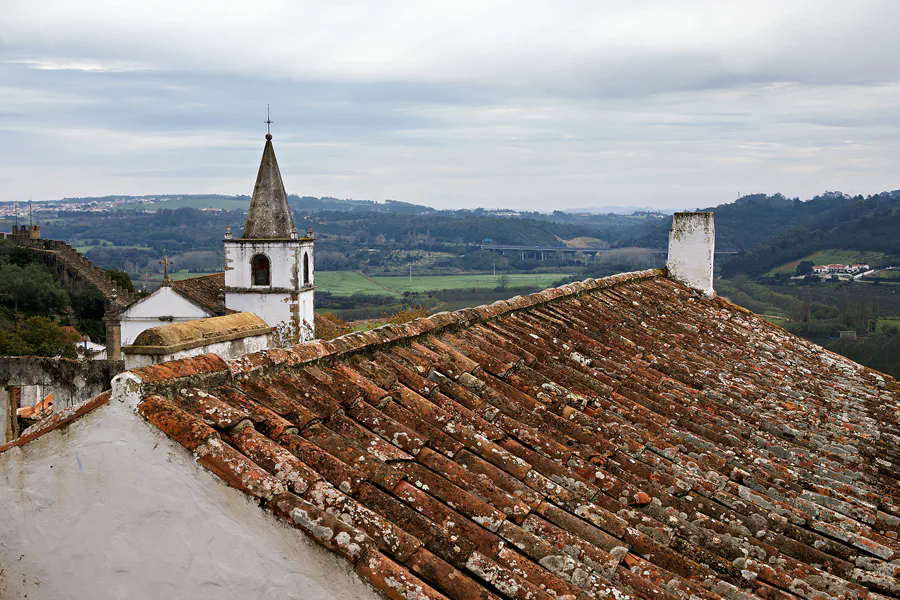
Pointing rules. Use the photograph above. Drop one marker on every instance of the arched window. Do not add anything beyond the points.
(305, 269)
(261, 272)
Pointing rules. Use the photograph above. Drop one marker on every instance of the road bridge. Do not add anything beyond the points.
(540, 252)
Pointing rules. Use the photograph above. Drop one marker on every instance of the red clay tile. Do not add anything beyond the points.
(453, 496)
(489, 363)
(274, 458)
(350, 453)
(393, 580)
(369, 389)
(447, 579)
(309, 392)
(237, 470)
(450, 547)
(389, 537)
(462, 363)
(265, 420)
(474, 483)
(437, 439)
(183, 427)
(209, 409)
(336, 383)
(337, 473)
(283, 403)
(328, 531)
(507, 581)
(204, 364)
(367, 440)
(394, 432)
(405, 376)
(456, 525)
(499, 478)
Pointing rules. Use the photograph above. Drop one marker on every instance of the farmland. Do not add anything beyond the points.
(827, 257)
(347, 283)
(427, 283)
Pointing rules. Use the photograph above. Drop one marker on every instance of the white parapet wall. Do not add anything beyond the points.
(692, 246)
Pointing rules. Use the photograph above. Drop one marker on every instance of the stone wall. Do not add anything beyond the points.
(70, 382)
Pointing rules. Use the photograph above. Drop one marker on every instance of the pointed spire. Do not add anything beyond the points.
(269, 216)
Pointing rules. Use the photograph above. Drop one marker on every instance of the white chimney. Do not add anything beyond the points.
(692, 243)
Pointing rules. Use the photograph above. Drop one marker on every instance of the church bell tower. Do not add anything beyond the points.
(269, 269)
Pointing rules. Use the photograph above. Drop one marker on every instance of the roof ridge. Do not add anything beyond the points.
(391, 333)
(380, 336)
(177, 281)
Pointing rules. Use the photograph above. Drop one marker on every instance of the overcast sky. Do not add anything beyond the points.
(527, 104)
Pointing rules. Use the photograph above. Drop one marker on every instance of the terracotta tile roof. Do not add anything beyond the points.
(623, 437)
(203, 290)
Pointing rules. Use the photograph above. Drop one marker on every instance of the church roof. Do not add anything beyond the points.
(203, 291)
(269, 216)
(167, 339)
(618, 437)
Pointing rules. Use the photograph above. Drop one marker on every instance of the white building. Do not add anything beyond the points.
(269, 271)
(165, 306)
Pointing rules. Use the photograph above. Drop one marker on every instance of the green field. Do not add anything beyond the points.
(347, 283)
(83, 246)
(826, 257)
(893, 275)
(886, 323)
(427, 283)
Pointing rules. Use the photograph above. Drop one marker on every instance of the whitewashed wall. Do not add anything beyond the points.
(229, 349)
(286, 260)
(109, 508)
(164, 302)
(285, 256)
(692, 245)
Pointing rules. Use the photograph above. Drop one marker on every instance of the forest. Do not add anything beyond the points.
(38, 317)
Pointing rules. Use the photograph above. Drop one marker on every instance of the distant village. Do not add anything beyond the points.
(51, 208)
(841, 272)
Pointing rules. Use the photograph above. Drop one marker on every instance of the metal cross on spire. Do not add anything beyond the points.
(268, 123)
(165, 262)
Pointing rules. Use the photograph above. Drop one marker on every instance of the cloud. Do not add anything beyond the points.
(78, 65)
(501, 103)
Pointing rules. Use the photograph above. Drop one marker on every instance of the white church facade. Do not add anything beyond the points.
(269, 271)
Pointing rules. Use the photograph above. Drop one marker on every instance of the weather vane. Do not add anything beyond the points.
(268, 121)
